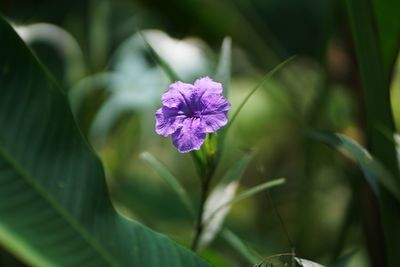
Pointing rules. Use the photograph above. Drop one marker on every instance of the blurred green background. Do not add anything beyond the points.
(114, 86)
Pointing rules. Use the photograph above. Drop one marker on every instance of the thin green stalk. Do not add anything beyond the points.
(265, 78)
(205, 189)
(245, 194)
(282, 223)
(167, 68)
(347, 221)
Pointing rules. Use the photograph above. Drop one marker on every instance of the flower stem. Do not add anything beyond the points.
(205, 187)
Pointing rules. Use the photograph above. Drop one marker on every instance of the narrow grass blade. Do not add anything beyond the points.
(236, 171)
(171, 180)
(257, 189)
(169, 71)
(265, 78)
(248, 193)
(240, 247)
(223, 73)
(373, 170)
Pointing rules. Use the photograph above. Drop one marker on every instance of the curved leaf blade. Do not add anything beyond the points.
(248, 193)
(373, 170)
(54, 204)
(170, 179)
(240, 247)
(264, 79)
(222, 193)
(167, 68)
(223, 73)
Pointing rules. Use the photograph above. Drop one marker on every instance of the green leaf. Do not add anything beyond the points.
(248, 193)
(264, 79)
(60, 40)
(223, 73)
(223, 192)
(375, 82)
(99, 34)
(54, 203)
(169, 71)
(346, 259)
(87, 86)
(373, 170)
(388, 29)
(171, 180)
(374, 69)
(235, 242)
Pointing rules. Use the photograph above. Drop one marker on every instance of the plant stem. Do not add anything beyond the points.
(282, 223)
(205, 182)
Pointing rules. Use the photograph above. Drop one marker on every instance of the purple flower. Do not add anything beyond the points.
(190, 111)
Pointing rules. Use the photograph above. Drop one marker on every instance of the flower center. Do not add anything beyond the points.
(196, 114)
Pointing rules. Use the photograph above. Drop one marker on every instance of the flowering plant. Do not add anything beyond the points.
(192, 114)
(189, 112)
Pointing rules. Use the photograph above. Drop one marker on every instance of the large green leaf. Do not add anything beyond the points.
(388, 25)
(375, 82)
(54, 204)
(374, 74)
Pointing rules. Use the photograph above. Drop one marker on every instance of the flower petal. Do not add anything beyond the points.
(214, 103)
(208, 86)
(177, 96)
(190, 136)
(167, 121)
(211, 123)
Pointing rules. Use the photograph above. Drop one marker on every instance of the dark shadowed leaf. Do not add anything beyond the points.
(375, 66)
(54, 204)
(388, 29)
